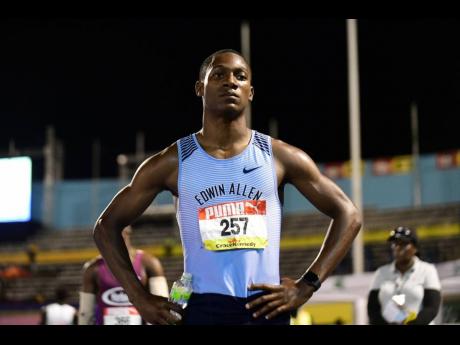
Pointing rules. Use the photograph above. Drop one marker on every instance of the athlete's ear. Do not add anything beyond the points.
(199, 85)
(251, 94)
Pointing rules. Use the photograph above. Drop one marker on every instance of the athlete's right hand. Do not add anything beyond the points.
(157, 309)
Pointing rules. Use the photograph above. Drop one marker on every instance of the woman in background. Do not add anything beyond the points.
(406, 291)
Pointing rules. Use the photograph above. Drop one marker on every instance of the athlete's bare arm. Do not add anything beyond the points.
(89, 290)
(296, 167)
(156, 174)
(152, 266)
(89, 284)
(157, 283)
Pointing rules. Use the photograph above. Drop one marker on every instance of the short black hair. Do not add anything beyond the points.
(208, 60)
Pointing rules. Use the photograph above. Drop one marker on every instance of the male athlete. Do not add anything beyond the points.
(229, 182)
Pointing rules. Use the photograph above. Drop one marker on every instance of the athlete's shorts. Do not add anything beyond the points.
(217, 309)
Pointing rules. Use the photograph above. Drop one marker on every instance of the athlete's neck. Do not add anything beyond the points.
(224, 134)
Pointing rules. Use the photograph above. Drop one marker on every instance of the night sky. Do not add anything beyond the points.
(108, 78)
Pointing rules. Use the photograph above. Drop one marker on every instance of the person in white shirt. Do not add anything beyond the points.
(406, 291)
(60, 312)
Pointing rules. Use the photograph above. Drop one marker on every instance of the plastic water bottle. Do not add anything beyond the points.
(181, 291)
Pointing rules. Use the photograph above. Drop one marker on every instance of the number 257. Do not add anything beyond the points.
(232, 226)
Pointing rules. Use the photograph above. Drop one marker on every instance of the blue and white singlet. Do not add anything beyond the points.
(229, 216)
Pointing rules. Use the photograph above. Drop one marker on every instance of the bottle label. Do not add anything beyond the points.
(180, 293)
(234, 225)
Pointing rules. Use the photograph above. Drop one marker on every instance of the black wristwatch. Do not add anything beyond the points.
(311, 279)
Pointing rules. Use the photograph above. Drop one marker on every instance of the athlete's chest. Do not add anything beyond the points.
(247, 176)
(244, 182)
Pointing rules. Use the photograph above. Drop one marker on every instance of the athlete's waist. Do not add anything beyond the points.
(222, 299)
(233, 284)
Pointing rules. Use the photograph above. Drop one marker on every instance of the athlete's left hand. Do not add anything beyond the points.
(286, 297)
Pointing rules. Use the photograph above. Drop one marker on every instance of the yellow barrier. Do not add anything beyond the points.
(297, 242)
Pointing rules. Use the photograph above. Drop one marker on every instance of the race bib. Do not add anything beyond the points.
(122, 316)
(234, 225)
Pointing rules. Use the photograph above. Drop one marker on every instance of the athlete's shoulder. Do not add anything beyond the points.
(262, 141)
(285, 152)
(93, 263)
(281, 147)
(293, 162)
(145, 256)
(187, 146)
(160, 164)
(152, 264)
(168, 154)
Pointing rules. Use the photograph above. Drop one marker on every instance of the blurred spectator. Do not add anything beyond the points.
(60, 312)
(31, 251)
(406, 291)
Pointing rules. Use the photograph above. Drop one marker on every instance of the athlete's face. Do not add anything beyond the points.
(226, 87)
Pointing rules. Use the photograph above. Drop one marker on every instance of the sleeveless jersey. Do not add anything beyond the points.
(113, 306)
(229, 216)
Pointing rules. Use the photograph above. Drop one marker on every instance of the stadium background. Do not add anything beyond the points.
(88, 98)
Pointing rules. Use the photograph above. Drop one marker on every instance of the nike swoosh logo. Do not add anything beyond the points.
(245, 171)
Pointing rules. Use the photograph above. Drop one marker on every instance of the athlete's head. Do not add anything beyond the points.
(225, 83)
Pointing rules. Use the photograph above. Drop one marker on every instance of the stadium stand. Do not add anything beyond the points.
(62, 253)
